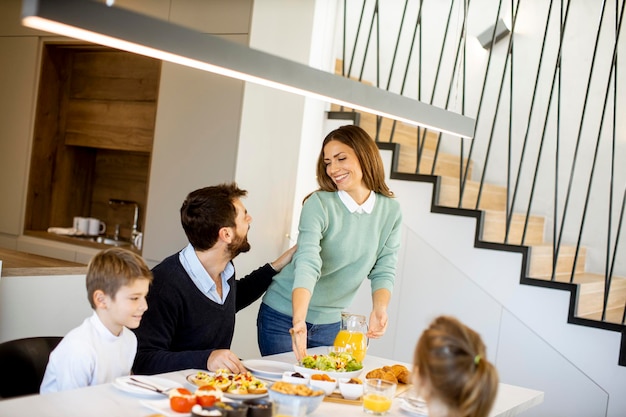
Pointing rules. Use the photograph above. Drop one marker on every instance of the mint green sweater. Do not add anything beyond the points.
(337, 250)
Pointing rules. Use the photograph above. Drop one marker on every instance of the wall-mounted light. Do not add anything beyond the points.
(488, 35)
(123, 29)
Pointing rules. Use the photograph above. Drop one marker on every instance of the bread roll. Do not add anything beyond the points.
(383, 374)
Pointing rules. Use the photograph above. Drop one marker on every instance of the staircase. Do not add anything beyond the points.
(587, 288)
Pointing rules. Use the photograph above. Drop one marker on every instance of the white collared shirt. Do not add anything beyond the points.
(352, 205)
(201, 277)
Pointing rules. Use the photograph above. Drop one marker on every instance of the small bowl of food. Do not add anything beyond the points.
(259, 407)
(296, 377)
(301, 399)
(323, 382)
(351, 388)
(231, 409)
(199, 411)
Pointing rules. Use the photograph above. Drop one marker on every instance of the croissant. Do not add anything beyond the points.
(402, 373)
(383, 374)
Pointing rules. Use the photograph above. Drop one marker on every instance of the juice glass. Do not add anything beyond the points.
(378, 396)
(352, 335)
(354, 342)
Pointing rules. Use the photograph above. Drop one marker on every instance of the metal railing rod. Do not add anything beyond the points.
(424, 132)
(617, 237)
(509, 156)
(480, 103)
(356, 38)
(395, 49)
(555, 208)
(595, 156)
(530, 115)
(568, 193)
(450, 85)
(609, 266)
(563, 25)
(418, 23)
(495, 116)
(419, 76)
(367, 45)
(379, 119)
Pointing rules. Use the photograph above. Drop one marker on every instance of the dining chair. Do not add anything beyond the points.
(23, 363)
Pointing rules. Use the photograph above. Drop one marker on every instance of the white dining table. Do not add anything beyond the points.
(107, 400)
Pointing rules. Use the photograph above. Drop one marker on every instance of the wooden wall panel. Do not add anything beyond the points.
(118, 125)
(114, 75)
(46, 140)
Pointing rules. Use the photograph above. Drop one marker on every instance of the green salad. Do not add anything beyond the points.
(333, 362)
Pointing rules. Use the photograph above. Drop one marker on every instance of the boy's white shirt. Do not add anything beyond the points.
(89, 355)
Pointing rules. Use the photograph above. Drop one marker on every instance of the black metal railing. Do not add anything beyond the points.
(577, 148)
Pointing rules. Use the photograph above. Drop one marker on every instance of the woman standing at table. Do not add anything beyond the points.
(452, 372)
(349, 230)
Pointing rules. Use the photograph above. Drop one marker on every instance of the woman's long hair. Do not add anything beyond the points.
(366, 152)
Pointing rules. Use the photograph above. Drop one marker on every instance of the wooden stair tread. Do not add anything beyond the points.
(494, 228)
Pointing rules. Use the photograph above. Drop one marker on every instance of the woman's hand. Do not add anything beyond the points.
(378, 324)
(298, 339)
(300, 298)
(378, 317)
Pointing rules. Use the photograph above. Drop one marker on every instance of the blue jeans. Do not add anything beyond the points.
(273, 332)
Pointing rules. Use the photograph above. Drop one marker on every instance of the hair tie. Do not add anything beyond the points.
(476, 359)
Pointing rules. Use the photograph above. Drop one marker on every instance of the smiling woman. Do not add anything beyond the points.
(349, 230)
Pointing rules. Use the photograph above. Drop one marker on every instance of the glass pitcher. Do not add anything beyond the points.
(352, 335)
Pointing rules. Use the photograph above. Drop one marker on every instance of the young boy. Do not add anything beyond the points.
(103, 348)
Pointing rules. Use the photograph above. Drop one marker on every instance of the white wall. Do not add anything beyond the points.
(41, 305)
(278, 134)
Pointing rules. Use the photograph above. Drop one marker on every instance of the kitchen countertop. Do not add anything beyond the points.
(15, 263)
(75, 240)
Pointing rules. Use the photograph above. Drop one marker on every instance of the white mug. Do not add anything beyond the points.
(96, 227)
(81, 225)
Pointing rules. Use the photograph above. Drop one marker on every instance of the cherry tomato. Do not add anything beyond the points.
(207, 400)
(182, 400)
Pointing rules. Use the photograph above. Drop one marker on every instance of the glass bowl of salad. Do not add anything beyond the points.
(334, 364)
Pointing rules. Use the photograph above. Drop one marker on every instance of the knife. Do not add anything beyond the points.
(148, 386)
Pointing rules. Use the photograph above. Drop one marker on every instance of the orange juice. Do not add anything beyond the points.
(353, 340)
(376, 403)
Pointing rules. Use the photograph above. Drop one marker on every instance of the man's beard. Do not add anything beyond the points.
(239, 245)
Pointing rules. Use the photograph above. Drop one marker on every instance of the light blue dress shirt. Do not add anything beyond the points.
(201, 277)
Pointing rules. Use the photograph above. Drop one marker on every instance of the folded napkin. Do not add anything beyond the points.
(68, 231)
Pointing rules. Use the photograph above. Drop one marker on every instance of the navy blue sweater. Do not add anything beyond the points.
(182, 326)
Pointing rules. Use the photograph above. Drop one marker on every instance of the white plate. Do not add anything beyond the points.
(123, 383)
(414, 408)
(334, 375)
(162, 407)
(272, 370)
(240, 397)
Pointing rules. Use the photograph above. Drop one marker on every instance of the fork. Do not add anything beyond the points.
(145, 385)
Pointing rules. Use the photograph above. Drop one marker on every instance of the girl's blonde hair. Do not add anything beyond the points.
(450, 361)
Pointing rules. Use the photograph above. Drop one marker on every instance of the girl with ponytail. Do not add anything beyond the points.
(452, 372)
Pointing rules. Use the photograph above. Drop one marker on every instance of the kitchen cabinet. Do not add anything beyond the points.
(18, 66)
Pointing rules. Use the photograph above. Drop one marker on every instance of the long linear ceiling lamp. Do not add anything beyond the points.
(125, 30)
